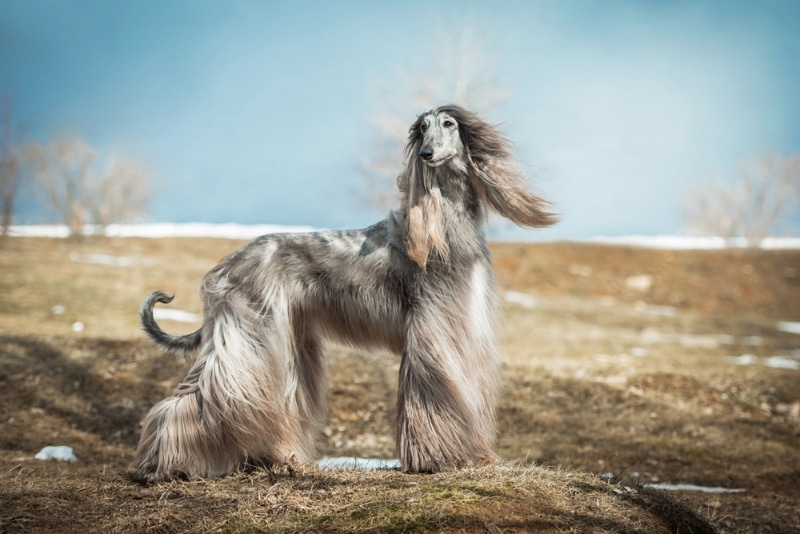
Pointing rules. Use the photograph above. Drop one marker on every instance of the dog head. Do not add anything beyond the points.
(457, 142)
(439, 138)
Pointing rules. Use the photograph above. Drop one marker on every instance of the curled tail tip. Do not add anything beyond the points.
(146, 311)
(160, 296)
(150, 327)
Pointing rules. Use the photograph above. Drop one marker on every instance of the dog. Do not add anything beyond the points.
(419, 283)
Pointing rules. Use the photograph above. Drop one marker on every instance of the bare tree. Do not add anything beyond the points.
(120, 194)
(767, 190)
(464, 71)
(10, 168)
(86, 188)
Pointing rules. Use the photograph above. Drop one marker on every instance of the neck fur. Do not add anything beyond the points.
(438, 208)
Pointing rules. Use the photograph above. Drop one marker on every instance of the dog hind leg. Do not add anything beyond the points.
(235, 404)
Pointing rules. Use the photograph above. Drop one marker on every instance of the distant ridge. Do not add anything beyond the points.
(251, 231)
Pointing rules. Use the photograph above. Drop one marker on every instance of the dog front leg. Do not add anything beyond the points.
(439, 425)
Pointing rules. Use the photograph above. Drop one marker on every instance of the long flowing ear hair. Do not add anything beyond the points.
(495, 175)
(421, 201)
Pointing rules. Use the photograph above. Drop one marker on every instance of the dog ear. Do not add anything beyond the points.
(421, 203)
(496, 178)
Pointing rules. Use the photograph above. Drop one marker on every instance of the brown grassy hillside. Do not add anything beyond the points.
(602, 373)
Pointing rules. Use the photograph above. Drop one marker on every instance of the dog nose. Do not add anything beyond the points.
(426, 153)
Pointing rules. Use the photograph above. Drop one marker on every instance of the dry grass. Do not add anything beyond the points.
(494, 498)
(592, 382)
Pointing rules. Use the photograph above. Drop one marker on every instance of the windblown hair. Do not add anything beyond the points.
(493, 174)
(418, 283)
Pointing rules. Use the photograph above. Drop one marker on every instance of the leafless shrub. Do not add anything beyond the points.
(767, 190)
(121, 194)
(464, 71)
(85, 187)
(10, 168)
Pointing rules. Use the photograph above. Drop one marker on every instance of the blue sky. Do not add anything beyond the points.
(259, 112)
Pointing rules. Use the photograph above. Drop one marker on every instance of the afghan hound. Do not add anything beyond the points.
(418, 283)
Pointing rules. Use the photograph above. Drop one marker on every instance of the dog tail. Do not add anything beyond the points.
(172, 343)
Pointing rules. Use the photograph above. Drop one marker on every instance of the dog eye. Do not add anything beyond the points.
(423, 127)
(448, 124)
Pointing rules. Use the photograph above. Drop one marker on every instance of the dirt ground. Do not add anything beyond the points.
(622, 367)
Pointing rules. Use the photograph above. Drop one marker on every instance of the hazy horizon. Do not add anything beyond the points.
(261, 112)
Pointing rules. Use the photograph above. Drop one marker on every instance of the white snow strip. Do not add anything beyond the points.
(344, 463)
(155, 230)
(108, 259)
(676, 242)
(227, 230)
(692, 487)
(782, 362)
(780, 243)
(662, 311)
(176, 315)
(651, 336)
(776, 362)
(245, 231)
(744, 359)
(789, 326)
(39, 230)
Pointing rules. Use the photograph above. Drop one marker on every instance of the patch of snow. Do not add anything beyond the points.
(649, 309)
(522, 299)
(155, 230)
(789, 326)
(780, 243)
(58, 309)
(77, 326)
(782, 362)
(639, 282)
(676, 242)
(651, 336)
(693, 487)
(39, 230)
(226, 230)
(343, 463)
(776, 362)
(744, 359)
(251, 231)
(60, 452)
(108, 259)
(176, 315)
(699, 341)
